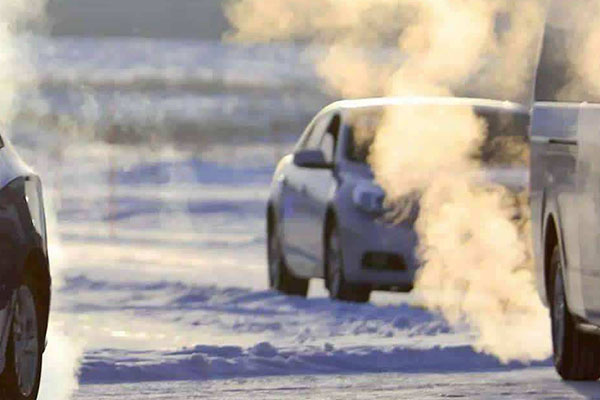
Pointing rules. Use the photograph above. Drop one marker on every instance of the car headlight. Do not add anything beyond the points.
(369, 198)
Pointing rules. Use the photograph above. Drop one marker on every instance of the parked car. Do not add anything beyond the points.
(327, 218)
(565, 201)
(24, 277)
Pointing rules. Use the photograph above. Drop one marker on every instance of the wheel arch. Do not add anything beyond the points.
(37, 266)
(329, 222)
(270, 218)
(551, 239)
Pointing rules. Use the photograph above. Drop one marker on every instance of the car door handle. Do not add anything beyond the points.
(303, 189)
(564, 142)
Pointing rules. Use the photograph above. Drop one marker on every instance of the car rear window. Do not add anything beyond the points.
(361, 132)
(564, 69)
(507, 138)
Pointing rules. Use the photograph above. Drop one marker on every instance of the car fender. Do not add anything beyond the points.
(331, 210)
(340, 204)
(22, 237)
(552, 212)
(277, 183)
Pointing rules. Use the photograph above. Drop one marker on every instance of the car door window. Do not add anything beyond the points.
(328, 146)
(329, 140)
(312, 135)
(316, 136)
(362, 128)
(301, 145)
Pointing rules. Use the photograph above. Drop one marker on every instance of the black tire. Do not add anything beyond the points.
(280, 277)
(339, 288)
(10, 386)
(576, 354)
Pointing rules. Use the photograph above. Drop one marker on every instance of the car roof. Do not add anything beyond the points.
(477, 104)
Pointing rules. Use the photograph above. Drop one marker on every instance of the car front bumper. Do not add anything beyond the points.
(377, 253)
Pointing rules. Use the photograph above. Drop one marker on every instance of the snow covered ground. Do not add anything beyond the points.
(158, 250)
(535, 383)
(161, 279)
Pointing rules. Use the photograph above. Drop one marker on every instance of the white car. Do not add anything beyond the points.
(326, 217)
(565, 200)
(24, 277)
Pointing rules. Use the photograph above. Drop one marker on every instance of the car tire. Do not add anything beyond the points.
(280, 277)
(339, 288)
(576, 354)
(20, 379)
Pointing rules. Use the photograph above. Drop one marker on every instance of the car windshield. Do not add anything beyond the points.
(361, 133)
(505, 143)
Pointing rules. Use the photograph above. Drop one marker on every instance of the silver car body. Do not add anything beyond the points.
(565, 174)
(375, 252)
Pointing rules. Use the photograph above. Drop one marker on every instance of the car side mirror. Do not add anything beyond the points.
(314, 159)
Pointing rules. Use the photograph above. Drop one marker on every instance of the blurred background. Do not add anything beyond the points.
(181, 19)
(156, 143)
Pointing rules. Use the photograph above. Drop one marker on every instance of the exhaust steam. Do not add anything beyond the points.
(476, 259)
(18, 73)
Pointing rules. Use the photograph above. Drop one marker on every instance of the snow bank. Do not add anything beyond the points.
(286, 335)
(264, 359)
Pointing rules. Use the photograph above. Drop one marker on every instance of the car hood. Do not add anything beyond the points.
(406, 209)
(514, 178)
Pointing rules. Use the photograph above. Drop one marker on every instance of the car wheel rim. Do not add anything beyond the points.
(274, 261)
(334, 267)
(25, 341)
(558, 316)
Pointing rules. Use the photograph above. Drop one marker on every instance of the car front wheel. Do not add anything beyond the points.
(21, 377)
(576, 354)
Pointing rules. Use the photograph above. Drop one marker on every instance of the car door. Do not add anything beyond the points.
(298, 231)
(588, 177)
(318, 192)
(556, 162)
(574, 115)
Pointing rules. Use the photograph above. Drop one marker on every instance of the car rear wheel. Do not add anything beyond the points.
(21, 377)
(280, 278)
(338, 288)
(576, 354)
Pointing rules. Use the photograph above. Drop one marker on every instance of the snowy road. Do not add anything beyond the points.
(161, 281)
(534, 383)
(158, 253)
